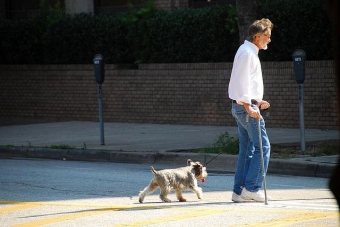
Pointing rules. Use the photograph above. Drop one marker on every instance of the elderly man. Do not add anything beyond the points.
(246, 92)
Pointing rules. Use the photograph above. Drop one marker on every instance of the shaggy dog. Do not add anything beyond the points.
(176, 179)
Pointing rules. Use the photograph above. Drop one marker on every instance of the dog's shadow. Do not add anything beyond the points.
(181, 204)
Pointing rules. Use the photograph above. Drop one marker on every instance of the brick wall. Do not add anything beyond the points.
(164, 94)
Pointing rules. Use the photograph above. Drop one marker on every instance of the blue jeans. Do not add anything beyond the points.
(248, 173)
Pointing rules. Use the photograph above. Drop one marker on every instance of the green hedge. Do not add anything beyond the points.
(190, 35)
(297, 24)
(77, 39)
(155, 36)
(19, 42)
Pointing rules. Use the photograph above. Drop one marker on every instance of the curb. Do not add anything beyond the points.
(224, 163)
(300, 168)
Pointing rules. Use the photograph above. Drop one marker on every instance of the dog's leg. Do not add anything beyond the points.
(148, 190)
(180, 196)
(164, 192)
(198, 191)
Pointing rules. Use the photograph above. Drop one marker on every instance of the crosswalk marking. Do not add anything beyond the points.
(290, 217)
(178, 217)
(14, 208)
(66, 217)
(78, 214)
(294, 219)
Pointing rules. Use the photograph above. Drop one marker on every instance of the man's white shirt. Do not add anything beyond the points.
(246, 81)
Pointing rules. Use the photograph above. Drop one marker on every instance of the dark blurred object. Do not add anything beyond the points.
(333, 7)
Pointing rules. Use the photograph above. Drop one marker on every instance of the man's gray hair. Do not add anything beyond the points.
(259, 26)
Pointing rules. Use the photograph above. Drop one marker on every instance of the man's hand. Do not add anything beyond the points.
(263, 105)
(252, 112)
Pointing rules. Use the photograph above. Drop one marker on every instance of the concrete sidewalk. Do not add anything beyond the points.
(151, 143)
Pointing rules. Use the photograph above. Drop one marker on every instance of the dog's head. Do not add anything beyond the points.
(200, 170)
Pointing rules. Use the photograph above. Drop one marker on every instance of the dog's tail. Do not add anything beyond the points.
(153, 170)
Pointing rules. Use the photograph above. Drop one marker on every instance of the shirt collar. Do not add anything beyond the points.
(252, 46)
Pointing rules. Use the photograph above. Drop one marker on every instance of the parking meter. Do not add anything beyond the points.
(99, 70)
(99, 73)
(299, 59)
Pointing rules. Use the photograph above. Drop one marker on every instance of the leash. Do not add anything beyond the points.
(212, 159)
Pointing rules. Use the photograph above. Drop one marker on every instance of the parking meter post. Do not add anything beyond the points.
(299, 59)
(99, 73)
(101, 121)
(302, 120)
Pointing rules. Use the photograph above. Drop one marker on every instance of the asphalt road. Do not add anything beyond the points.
(40, 192)
(150, 143)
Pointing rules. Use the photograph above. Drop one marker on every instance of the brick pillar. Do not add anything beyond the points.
(79, 6)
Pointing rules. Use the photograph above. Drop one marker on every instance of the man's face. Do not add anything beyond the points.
(262, 40)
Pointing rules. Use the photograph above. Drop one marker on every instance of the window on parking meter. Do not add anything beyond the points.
(99, 70)
(299, 59)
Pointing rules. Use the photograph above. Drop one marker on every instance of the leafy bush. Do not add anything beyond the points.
(227, 144)
(192, 35)
(155, 36)
(77, 39)
(19, 42)
(297, 25)
(224, 144)
(146, 35)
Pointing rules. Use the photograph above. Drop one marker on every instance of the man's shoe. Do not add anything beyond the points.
(257, 196)
(239, 199)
